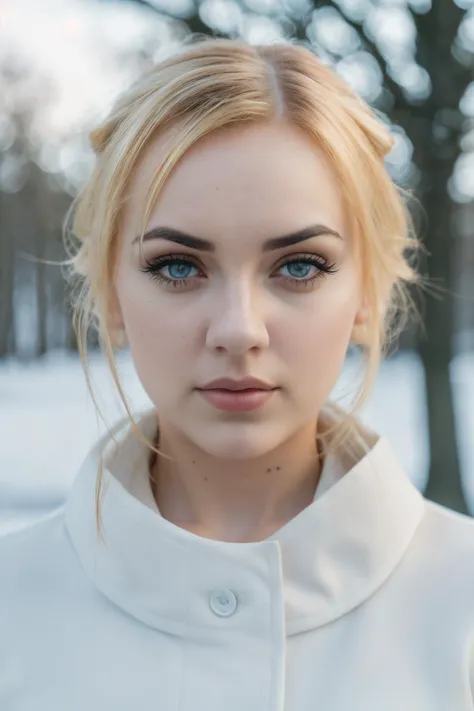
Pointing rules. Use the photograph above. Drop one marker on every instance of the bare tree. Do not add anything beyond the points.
(7, 271)
(31, 215)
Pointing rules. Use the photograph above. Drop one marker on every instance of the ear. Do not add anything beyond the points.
(361, 316)
(363, 311)
(115, 313)
(116, 321)
(359, 334)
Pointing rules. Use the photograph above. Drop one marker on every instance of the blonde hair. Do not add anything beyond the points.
(215, 83)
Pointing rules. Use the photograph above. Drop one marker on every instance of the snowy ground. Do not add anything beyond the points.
(48, 422)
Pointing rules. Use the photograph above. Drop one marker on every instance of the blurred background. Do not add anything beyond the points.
(63, 62)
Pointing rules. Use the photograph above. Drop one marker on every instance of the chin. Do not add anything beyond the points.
(237, 441)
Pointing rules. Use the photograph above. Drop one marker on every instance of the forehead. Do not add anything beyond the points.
(258, 180)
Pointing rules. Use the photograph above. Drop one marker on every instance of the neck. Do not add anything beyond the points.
(238, 501)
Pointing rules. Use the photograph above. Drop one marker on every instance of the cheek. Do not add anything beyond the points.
(159, 334)
(315, 339)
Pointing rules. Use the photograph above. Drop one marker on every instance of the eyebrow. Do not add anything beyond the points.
(172, 235)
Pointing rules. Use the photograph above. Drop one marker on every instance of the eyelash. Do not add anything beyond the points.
(153, 269)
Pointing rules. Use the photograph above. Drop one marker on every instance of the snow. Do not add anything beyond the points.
(48, 422)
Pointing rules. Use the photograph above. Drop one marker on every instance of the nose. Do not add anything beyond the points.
(237, 324)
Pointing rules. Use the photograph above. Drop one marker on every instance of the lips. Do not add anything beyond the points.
(248, 383)
(237, 400)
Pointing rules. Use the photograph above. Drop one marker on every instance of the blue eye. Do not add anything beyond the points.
(179, 269)
(300, 269)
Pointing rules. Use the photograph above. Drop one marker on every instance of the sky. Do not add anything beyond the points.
(75, 42)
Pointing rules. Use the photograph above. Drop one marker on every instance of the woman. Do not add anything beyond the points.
(245, 544)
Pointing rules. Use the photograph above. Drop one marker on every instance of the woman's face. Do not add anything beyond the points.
(239, 303)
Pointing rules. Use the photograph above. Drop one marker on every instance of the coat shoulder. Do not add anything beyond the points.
(31, 554)
(446, 539)
(457, 526)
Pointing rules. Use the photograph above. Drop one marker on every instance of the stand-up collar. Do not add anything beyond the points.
(329, 558)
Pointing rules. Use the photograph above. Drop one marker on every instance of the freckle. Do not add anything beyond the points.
(269, 470)
(194, 461)
(278, 469)
(205, 478)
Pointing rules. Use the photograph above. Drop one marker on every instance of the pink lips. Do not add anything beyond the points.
(236, 400)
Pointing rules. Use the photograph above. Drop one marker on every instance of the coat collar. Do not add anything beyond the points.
(328, 559)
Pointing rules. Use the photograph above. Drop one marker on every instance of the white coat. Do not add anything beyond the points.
(363, 602)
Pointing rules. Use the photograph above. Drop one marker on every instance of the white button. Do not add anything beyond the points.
(223, 602)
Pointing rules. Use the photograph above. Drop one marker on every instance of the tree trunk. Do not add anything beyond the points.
(436, 350)
(41, 345)
(7, 282)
